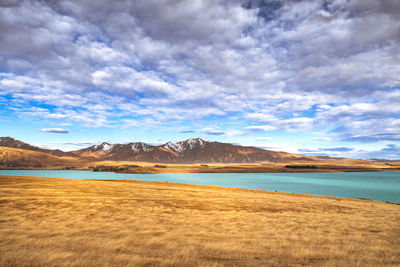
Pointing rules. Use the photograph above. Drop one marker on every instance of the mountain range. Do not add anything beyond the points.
(140, 157)
(194, 150)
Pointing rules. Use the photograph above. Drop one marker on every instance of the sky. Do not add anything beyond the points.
(308, 77)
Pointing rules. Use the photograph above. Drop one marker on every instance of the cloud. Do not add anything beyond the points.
(276, 65)
(329, 149)
(216, 131)
(128, 123)
(308, 150)
(389, 152)
(54, 130)
(321, 138)
(264, 138)
(79, 144)
(292, 124)
(188, 131)
(261, 117)
(373, 137)
(212, 131)
(262, 128)
(337, 149)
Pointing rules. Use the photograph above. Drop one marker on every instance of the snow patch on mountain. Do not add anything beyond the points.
(192, 142)
(139, 147)
(135, 148)
(182, 146)
(174, 146)
(103, 148)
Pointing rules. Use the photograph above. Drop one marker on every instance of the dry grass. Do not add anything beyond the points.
(339, 165)
(23, 158)
(57, 222)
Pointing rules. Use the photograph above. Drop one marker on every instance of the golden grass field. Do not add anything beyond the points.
(60, 222)
(340, 165)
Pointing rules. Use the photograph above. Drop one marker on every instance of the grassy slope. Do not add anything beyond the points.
(22, 158)
(117, 223)
(322, 166)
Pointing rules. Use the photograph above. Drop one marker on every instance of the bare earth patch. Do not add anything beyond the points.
(61, 222)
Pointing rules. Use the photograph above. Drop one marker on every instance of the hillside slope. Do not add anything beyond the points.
(13, 143)
(190, 151)
(195, 150)
(23, 158)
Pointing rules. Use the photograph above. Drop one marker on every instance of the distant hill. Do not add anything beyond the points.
(11, 142)
(195, 150)
(23, 158)
(17, 154)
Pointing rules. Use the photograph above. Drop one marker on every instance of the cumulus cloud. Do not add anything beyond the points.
(54, 130)
(278, 65)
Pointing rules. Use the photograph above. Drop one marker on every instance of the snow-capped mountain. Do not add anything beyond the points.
(102, 148)
(182, 146)
(114, 151)
(140, 147)
(15, 153)
(194, 150)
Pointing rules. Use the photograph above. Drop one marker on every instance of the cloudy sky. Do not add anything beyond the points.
(310, 77)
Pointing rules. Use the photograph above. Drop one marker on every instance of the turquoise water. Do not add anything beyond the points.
(383, 186)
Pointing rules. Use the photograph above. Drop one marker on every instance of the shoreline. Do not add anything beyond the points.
(235, 188)
(213, 186)
(255, 169)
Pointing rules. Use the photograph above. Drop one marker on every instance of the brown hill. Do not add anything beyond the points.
(11, 142)
(11, 158)
(193, 150)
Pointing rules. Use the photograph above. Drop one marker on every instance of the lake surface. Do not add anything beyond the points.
(383, 186)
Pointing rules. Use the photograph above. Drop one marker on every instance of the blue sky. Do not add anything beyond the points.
(309, 77)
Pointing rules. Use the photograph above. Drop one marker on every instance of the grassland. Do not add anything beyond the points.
(321, 165)
(59, 222)
(341, 165)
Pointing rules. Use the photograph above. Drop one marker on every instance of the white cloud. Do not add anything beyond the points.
(54, 130)
(321, 138)
(296, 66)
(261, 117)
(264, 128)
(129, 123)
(264, 138)
(212, 131)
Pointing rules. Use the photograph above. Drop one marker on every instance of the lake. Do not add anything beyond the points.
(383, 186)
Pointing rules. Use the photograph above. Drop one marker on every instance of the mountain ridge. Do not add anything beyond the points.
(191, 155)
(192, 150)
